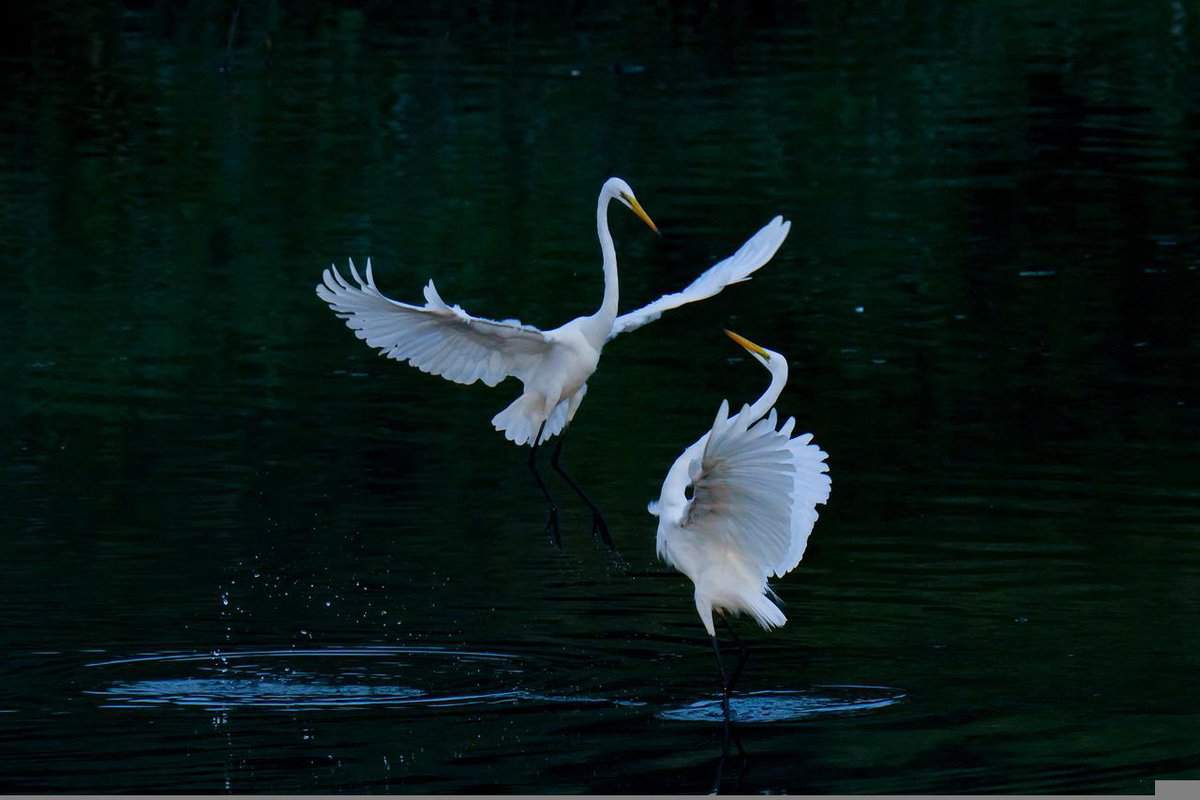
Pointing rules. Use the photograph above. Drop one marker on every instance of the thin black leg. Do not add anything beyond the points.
(720, 662)
(599, 526)
(743, 652)
(724, 678)
(552, 521)
(729, 731)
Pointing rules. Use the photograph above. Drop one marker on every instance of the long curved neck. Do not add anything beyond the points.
(608, 308)
(779, 375)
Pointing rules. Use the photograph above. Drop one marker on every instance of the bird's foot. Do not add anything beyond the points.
(725, 709)
(600, 531)
(552, 528)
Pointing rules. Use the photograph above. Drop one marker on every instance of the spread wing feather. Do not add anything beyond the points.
(756, 252)
(810, 486)
(755, 488)
(436, 338)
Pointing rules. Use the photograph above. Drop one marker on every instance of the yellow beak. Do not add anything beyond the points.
(641, 212)
(746, 343)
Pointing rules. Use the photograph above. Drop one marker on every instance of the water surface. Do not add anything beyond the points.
(244, 553)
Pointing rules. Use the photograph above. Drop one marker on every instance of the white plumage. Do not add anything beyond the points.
(435, 338)
(757, 251)
(552, 365)
(751, 508)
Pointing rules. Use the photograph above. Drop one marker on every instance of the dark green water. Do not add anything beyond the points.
(242, 552)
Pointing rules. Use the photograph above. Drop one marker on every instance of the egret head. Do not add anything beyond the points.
(768, 358)
(619, 189)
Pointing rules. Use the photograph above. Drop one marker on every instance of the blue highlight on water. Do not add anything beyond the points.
(271, 680)
(788, 706)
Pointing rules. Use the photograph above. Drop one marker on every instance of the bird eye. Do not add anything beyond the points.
(689, 492)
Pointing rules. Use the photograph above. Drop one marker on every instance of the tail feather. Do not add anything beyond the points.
(757, 605)
(519, 422)
(765, 612)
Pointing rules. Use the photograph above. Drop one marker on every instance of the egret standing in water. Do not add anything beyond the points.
(737, 508)
(553, 365)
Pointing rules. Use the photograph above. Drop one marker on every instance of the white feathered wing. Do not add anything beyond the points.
(757, 251)
(753, 505)
(436, 338)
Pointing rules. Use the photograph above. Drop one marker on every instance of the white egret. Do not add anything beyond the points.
(738, 506)
(552, 365)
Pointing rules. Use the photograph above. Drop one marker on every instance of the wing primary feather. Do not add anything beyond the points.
(436, 338)
(751, 256)
(755, 489)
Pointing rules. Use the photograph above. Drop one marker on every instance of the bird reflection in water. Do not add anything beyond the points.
(729, 733)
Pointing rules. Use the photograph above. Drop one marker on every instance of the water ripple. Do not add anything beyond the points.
(374, 651)
(268, 679)
(789, 706)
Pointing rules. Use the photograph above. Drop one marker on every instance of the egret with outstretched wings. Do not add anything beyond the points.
(738, 506)
(552, 365)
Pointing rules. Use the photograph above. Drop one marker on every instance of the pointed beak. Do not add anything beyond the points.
(749, 345)
(636, 208)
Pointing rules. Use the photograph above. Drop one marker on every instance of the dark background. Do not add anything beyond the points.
(988, 299)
